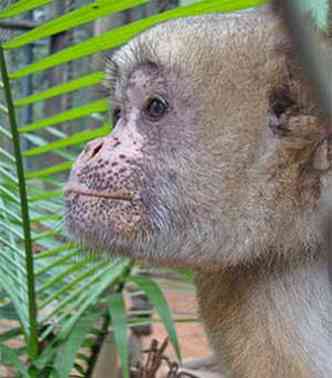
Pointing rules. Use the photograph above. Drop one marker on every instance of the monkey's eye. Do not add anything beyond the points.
(116, 115)
(155, 107)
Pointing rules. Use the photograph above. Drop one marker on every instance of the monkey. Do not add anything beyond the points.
(215, 164)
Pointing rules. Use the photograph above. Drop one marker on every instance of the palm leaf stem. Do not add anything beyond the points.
(32, 334)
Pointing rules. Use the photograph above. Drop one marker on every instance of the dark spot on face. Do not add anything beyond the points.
(172, 176)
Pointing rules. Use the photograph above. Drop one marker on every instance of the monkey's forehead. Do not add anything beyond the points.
(193, 44)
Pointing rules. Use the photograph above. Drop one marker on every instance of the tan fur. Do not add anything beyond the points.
(226, 183)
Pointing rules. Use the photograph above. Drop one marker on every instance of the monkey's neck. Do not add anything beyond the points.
(269, 322)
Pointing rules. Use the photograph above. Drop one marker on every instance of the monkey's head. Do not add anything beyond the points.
(209, 160)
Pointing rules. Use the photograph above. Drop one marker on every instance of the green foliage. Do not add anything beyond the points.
(117, 313)
(22, 6)
(318, 9)
(9, 357)
(53, 292)
(156, 297)
(76, 84)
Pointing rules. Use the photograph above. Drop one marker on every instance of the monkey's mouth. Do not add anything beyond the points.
(121, 195)
(98, 219)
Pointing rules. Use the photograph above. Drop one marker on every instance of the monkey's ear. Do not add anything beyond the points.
(295, 121)
(302, 140)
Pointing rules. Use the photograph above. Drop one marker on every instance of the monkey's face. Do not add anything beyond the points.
(191, 173)
(164, 184)
(124, 193)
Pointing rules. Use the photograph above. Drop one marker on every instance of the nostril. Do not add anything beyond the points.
(96, 150)
(93, 149)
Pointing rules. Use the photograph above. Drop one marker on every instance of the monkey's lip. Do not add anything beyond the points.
(117, 195)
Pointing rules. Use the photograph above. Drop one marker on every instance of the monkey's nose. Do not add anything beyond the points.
(93, 149)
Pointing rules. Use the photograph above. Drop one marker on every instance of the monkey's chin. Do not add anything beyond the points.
(113, 240)
(166, 245)
(104, 243)
(156, 250)
(101, 224)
